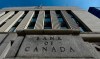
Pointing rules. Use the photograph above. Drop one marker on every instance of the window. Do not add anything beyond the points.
(21, 18)
(47, 21)
(33, 21)
(12, 29)
(61, 20)
(31, 25)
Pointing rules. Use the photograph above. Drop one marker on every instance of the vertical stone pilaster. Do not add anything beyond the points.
(40, 20)
(6, 16)
(6, 27)
(72, 24)
(2, 13)
(54, 20)
(25, 22)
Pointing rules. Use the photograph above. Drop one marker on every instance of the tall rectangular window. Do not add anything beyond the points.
(47, 21)
(61, 20)
(33, 21)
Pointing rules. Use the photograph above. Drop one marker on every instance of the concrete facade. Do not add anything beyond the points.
(44, 32)
(91, 21)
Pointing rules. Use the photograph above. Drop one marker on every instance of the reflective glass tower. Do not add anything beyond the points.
(95, 11)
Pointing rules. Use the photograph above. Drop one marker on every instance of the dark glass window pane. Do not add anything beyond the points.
(12, 29)
(33, 20)
(47, 25)
(47, 21)
(47, 15)
(31, 25)
(61, 20)
(59, 15)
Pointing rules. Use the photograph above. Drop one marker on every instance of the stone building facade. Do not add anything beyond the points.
(44, 32)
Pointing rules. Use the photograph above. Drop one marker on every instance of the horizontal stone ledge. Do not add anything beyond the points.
(87, 36)
(48, 58)
(90, 33)
(7, 32)
(91, 37)
(48, 32)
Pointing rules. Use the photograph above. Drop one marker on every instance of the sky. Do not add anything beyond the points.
(83, 4)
